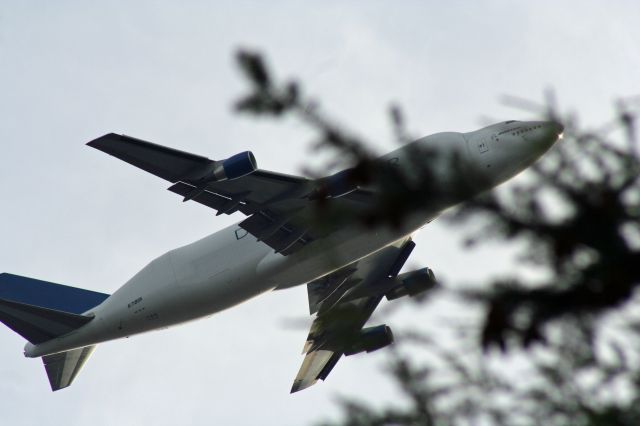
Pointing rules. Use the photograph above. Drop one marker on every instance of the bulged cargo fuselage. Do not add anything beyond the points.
(232, 266)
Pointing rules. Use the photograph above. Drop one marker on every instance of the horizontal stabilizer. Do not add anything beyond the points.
(38, 324)
(63, 367)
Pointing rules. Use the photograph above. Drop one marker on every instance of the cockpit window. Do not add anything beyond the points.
(518, 130)
(511, 130)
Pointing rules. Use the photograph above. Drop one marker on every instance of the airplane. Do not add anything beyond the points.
(348, 268)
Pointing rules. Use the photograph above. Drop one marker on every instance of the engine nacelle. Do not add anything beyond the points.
(237, 166)
(336, 185)
(370, 339)
(234, 167)
(413, 283)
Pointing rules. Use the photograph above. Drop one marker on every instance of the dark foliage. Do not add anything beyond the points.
(578, 215)
(398, 194)
(591, 251)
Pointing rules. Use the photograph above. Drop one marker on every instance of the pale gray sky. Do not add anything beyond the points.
(164, 71)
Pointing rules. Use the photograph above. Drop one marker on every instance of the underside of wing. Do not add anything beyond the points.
(278, 205)
(345, 300)
(316, 365)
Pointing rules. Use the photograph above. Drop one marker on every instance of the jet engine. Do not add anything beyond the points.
(370, 339)
(334, 186)
(234, 167)
(239, 165)
(413, 283)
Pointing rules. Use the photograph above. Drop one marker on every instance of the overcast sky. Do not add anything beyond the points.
(164, 72)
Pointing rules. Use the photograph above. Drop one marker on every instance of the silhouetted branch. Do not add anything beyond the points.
(398, 194)
(593, 264)
(578, 214)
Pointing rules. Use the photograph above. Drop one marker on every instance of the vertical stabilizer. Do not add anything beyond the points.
(63, 367)
(40, 311)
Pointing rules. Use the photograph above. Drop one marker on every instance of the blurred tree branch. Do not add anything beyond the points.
(399, 194)
(578, 213)
(591, 253)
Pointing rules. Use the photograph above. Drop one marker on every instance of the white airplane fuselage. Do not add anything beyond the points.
(230, 266)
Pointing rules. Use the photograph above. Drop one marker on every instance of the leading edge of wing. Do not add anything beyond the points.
(168, 163)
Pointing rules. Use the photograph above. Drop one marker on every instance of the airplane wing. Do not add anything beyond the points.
(275, 203)
(344, 301)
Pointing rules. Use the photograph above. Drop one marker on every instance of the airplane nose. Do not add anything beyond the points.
(556, 127)
(551, 132)
(544, 135)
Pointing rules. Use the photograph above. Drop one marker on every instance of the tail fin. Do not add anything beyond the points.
(40, 310)
(48, 295)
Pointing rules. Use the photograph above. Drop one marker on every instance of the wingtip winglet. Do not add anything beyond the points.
(299, 385)
(97, 142)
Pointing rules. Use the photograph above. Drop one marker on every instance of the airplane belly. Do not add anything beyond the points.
(196, 280)
(216, 273)
(336, 251)
(208, 276)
